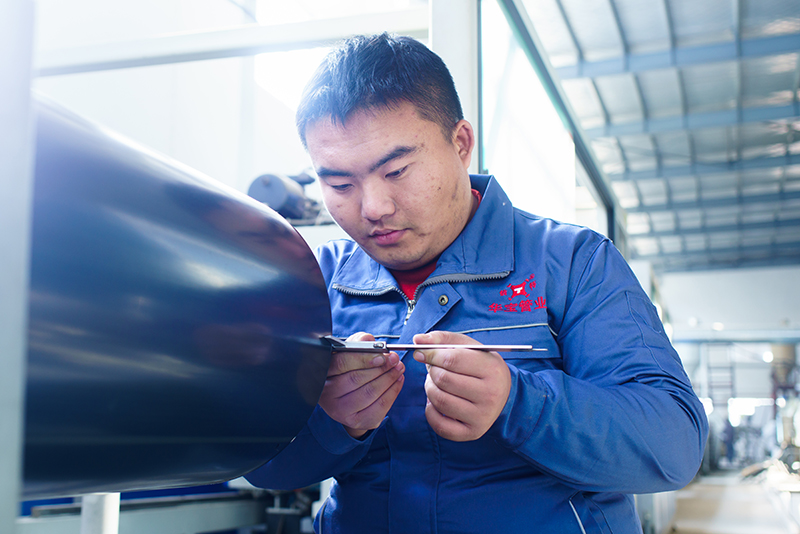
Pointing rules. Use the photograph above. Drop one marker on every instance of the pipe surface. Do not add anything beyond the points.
(174, 325)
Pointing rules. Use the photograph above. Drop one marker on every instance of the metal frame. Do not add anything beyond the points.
(236, 42)
(682, 57)
(16, 180)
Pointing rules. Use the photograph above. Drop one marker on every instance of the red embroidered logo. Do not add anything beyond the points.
(519, 289)
(524, 305)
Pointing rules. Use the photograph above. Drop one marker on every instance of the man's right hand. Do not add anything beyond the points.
(361, 387)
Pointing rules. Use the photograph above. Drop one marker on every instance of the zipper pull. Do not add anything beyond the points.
(411, 304)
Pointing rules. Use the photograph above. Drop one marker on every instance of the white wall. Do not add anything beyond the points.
(743, 300)
(210, 115)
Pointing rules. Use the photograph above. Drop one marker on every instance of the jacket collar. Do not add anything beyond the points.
(485, 246)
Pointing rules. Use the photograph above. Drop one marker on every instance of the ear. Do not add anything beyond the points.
(464, 139)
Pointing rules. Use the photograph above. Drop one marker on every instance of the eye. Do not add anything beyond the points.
(399, 172)
(341, 187)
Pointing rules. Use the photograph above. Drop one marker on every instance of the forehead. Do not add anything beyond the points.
(370, 129)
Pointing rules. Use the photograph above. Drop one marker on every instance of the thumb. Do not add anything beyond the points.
(440, 337)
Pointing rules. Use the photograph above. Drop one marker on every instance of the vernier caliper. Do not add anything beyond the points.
(341, 345)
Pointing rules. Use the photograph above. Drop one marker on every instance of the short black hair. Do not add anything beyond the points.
(380, 71)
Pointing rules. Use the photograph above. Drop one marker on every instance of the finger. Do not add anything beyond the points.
(462, 361)
(372, 415)
(359, 399)
(463, 386)
(447, 427)
(449, 405)
(342, 384)
(441, 337)
(344, 362)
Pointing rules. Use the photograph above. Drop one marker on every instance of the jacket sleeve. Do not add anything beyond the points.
(321, 450)
(621, 414)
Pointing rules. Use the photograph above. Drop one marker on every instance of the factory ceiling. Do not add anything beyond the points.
(691, 109)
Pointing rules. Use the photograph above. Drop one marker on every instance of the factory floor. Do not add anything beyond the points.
(726, 504)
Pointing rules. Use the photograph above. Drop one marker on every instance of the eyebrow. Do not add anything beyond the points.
(398, 152)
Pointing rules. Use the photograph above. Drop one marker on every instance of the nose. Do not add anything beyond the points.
(376, 200)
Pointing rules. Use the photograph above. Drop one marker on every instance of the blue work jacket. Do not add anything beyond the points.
(605, 412)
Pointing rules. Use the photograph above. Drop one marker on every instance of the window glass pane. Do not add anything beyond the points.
(589, 210)
(524, 142)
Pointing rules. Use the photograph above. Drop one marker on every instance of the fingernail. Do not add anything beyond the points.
(377, 361)
(419, 356)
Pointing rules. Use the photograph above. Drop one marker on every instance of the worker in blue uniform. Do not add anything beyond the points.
(463, 440)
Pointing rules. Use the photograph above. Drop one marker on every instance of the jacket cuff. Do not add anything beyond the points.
(332, 435)
(522, 411)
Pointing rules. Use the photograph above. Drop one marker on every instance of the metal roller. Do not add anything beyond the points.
(175, 324)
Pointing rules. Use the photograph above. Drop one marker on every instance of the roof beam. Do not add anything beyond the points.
(697, 121)
(739, 227)
(245, 40)
(682, 57)
(743, 252)
(702, 203)
(698, 169)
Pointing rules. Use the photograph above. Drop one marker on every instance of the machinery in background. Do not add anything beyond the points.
(286, 195)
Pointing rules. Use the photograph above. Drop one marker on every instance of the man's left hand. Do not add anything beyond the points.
(466, 389)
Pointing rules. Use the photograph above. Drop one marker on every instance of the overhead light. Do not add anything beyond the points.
(718, 327)
(767, 356)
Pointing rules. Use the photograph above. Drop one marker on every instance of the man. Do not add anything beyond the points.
(462, 440)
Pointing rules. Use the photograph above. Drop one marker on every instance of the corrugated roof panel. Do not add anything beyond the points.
(595, 28)
(764, 18)
(701, 22)
(789, 213)
(671, 244)
(683, 189)
(757, 217)
(674, 148)
(713, 146)
(724, 240)
(690, 219)
(787, 235)
(764, 151)
(639, 152)
(552, 31)
(769, 81)
(717, 191)
(626, 194)
(663, 221)
(608, 155)
(653, 192)
(619, 94)
(695, 242)
(692, 111)
(761, 189)
(760, 176)
(645, 245)
(638, 223)
(644, 24)
(755, 238)
(711, 86)
(584, 101)
(661, 92)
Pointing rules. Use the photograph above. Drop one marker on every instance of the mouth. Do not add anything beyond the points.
(386, 237)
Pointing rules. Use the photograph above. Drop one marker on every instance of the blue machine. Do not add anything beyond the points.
(175, 324)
